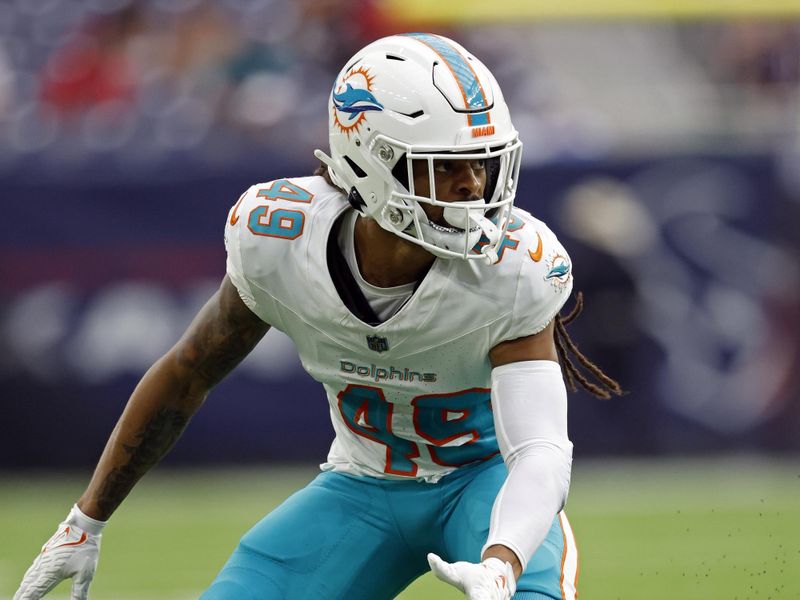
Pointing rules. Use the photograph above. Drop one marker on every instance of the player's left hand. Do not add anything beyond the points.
(493, 579)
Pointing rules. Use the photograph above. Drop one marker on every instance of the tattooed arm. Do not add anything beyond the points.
(221, 335)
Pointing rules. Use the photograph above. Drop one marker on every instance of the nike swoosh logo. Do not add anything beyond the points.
(82, 540)
(536, 255)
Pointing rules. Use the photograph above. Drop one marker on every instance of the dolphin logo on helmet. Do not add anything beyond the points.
(354, 101)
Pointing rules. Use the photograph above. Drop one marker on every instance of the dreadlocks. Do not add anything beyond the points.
(564, 344)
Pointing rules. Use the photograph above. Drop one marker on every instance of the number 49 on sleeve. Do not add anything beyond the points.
(279, 222)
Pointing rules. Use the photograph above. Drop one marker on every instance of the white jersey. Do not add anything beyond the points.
(409, 397)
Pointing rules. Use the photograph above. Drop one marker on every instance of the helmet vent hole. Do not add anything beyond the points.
(360, 173)
(353, 64)
(393, 57)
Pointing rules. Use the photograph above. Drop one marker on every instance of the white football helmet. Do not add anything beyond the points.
(420, 98)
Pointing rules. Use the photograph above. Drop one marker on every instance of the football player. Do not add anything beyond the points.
(427, 307)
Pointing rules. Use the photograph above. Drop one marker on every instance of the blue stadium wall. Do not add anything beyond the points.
(692, 304)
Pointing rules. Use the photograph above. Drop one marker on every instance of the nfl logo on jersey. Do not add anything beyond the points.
(377, 343)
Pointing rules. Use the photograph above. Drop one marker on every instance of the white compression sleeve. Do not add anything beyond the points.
(529, 401)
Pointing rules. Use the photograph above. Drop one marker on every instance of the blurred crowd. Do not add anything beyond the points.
(665, 153)
(170, 74)
(234, 76)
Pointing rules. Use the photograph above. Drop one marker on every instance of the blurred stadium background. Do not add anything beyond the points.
(662, 143)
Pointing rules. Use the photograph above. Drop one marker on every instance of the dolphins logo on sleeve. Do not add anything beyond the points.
(559, 271)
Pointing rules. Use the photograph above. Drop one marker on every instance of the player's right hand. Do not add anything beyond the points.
(492, 579)
(72, 552)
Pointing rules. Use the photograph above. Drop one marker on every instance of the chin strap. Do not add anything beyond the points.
(490, 230)
(492, 233)
(470, 214)
(490, 255)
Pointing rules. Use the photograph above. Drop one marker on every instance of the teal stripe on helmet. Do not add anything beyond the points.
(465, 76)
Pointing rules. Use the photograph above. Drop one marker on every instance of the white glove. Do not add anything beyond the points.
(71, 552)
(493, 579)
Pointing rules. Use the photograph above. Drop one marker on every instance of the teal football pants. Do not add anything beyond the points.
(361, 538)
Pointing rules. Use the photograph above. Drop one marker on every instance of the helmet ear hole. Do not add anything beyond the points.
(358, 171)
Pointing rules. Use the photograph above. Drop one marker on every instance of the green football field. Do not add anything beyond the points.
(724, 529)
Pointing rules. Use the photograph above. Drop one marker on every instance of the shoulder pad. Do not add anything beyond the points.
(267, 225)
(545, 277)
